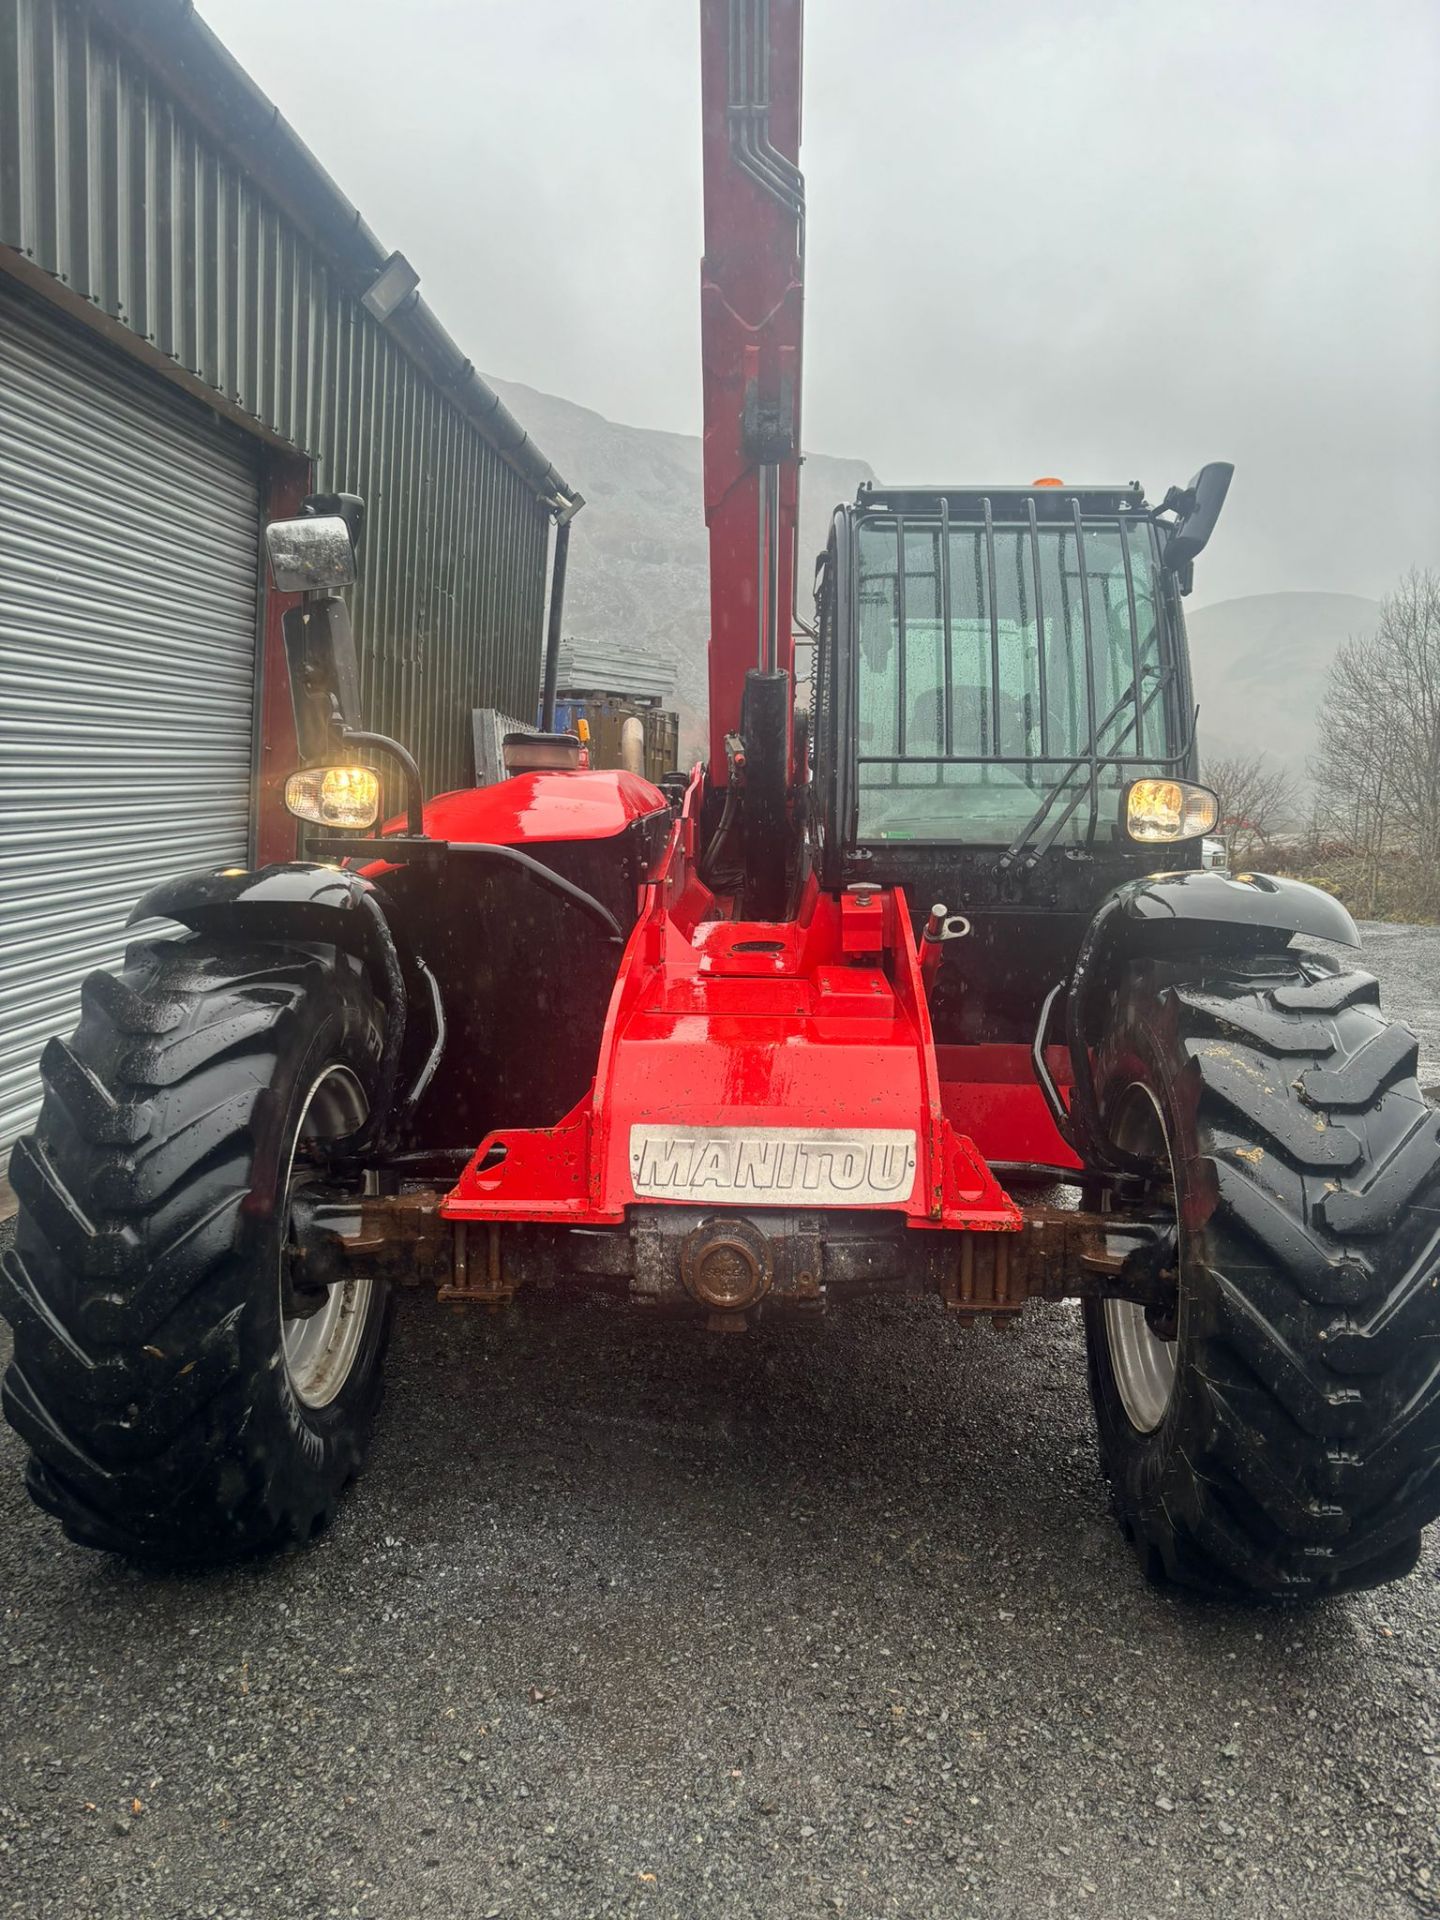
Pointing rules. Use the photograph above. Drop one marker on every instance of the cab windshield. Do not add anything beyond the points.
(997, 662)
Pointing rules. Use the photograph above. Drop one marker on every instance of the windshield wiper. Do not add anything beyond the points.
(1087, 757)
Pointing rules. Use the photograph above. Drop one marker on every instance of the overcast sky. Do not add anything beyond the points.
(1108, 241)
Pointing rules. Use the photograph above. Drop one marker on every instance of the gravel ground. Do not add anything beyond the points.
(628, 1620)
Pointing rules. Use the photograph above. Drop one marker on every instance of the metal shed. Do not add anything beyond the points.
(196, 328)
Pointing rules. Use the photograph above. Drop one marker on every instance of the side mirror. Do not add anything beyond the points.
(1198, 506)
(315, 556)
(311, 555)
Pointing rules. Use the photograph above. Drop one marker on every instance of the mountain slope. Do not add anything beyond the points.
(639, 559)
(1259, 665)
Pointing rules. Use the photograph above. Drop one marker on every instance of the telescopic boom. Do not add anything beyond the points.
(751, 304)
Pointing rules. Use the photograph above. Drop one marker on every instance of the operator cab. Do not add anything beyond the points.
(996, 666)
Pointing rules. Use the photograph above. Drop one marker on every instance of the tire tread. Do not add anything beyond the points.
(1308, 1462)
(129, 1282)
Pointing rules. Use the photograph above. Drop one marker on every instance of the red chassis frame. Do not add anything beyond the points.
(815, 1024)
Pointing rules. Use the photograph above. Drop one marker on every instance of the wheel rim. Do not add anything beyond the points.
(319, 1350)
(1142, 1362)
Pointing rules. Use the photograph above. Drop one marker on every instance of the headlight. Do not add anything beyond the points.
(334, 796)
(1157, 810)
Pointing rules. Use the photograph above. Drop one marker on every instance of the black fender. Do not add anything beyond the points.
(300, 900)
(1200, 911)
(305, 901)
(1263, 901)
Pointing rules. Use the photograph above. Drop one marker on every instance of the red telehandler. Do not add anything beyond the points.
(920, 988)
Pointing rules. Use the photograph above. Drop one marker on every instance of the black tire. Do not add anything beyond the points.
(149, 1377)
(1297, 1455)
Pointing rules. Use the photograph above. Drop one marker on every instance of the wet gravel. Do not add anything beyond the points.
(628, 1620)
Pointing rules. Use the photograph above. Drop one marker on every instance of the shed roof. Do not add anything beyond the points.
(176, 45)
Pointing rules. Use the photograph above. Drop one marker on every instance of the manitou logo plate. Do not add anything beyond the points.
(816, 1167)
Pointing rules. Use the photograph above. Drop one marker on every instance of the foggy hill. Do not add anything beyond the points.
(639, 559)
(1259, 665)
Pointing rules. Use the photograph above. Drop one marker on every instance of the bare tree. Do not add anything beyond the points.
(1354, 773)
(1376, 773)
(1257, 802)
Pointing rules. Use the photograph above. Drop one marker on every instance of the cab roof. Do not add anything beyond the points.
(968, 502)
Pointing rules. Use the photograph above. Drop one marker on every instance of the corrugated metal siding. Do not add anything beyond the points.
(105, 184)
(128, 590)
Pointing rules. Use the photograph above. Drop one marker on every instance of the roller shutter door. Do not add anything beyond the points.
(129, 525)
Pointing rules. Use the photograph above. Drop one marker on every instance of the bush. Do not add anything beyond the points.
(1402, 889)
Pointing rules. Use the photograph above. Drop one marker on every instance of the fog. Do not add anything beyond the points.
(1104, 241)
